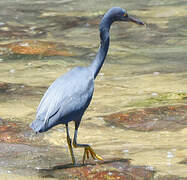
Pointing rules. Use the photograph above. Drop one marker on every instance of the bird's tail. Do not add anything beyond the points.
(37, 126)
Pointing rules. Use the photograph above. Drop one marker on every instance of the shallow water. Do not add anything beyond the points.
(143, 63)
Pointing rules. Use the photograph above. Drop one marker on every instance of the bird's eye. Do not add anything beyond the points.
(125, 14)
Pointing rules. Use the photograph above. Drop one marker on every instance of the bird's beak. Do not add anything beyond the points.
(134, 20)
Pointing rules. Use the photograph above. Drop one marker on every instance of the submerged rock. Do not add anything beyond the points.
(151, 119)
(17, 132)
(25, 159)
(69, 20)
(3, 86)
(15, 89)
(34, 47)
(107, 170)
(183, 161)
(10, 132)
(11, 31)
(21, 149)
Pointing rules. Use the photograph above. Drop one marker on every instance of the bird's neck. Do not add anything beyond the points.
(103, 49)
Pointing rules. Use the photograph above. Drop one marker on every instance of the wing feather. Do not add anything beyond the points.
(67, 94)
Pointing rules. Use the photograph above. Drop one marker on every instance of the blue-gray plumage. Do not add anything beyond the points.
(66, 99)
(69, 96)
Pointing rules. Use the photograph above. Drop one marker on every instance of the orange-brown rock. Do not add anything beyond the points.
(10, 132)
(3, 86)
(151, 119)
(34, 47)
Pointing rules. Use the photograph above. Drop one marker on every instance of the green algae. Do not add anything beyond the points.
(161, 99)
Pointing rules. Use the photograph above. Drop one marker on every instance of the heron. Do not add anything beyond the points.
(69, 96)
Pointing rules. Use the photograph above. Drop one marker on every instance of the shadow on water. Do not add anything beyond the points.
(112, 169)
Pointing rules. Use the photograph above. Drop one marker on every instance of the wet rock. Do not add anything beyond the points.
(112, 169)
(25, 159)
(3, 86)
(183, 161)
(10, 132)
(8, 31)
(14, 132)
(22, 149)
(73, 19)
(151, 119)
(12, 90)
(33, 47)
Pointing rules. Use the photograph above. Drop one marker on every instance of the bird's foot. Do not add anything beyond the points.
(88, 150)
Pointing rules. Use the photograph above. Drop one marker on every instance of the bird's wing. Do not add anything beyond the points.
(67, 94)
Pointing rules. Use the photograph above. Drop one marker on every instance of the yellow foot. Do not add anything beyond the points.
(88, 150)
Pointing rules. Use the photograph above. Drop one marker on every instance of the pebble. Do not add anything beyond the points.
(91, 55)
(155, 119)
(168, 163)
(29, 64)
(101, 74)
(87, 25)
(154, 94)
(12, 71)
(1, 60)
(5, 29)
(100, 118)
(110, 173)
(180, 91)
(32, 28)
(151, 168)
(126, 151)
(170, 154)
(156, 73)
(2, 23)
(24, 44)
(61, 130)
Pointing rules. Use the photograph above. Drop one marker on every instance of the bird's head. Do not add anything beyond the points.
(112, 15)
(119, 14)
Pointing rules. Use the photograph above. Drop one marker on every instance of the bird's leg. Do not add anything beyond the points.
(87, 148)
(70, 145)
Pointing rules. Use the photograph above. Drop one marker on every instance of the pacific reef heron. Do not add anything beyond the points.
(69, 96)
